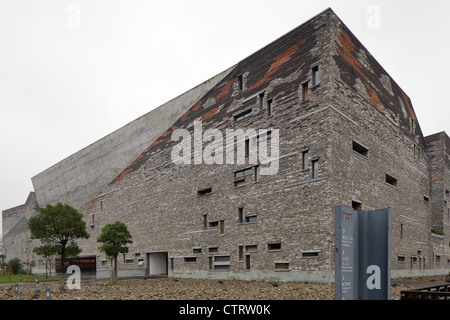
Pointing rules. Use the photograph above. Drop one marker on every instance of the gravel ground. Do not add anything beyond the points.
(196, 289)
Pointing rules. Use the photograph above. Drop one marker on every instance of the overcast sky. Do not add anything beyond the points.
(73, 71)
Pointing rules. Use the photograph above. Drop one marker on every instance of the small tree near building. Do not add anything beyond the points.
(115, 238)
(59, 226)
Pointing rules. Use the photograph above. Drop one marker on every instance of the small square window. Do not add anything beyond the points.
(197, 250)
(391, 180)
(360, 149)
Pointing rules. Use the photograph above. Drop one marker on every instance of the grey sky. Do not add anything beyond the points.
(73, 71)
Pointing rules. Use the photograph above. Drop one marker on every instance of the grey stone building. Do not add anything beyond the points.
(339, 131)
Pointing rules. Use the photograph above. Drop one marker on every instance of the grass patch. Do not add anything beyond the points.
(15, 278)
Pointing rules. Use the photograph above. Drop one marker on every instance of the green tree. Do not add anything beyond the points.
(114, 237)
(59, 226)
(48, 252)
(16, 266)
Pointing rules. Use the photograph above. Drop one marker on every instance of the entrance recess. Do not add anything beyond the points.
(157, 263)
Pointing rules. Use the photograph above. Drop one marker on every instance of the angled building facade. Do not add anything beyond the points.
(336, 129)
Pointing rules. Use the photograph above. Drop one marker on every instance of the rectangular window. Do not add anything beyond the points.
(261, 101)
(241, 253)
(401, 258)
(221, 262)
(243, 115)
(281, 265)
(269, 108)
(247, 147)
(251, 248)
(213, 249)
(241, 215)
(356, 205)
(257, 174)
(210, 263)
(247, 262)
(214, 224)
(242, 173)
(391, 180)
(222, 226)
(204, 192)
(205, 221)
(360, 149)
(273, 246)
(426, 199)
(197, 250)
(305, 92)
(252, 218)
(240, 81)
(239, 183)
(315, 169)
(305, 160)
(264, 136)
(190, 259)
(310, 254)
(315, 75)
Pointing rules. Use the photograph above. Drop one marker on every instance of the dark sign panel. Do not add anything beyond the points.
(362, 254)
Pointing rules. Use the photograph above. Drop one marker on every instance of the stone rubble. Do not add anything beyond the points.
(189, 289)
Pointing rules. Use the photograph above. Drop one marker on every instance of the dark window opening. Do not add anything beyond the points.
(281, 265)
(204, 192)
(243, 115)
(305, 160)
(190, 259)
(356, 205)
(310, 254)
(315, 169)
(252, 218)
(269, 107)
(305, 92)
(213, 249)
(261, 101)
(315, 75)
(391, 180)
(240, 81)
(242, 173)
(360, 149)
(241, 215)
(274, 246)
(214, 224)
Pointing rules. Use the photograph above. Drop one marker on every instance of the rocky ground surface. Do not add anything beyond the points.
(196, 289)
